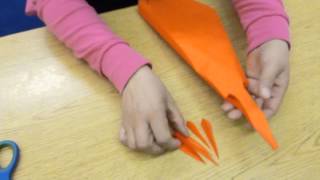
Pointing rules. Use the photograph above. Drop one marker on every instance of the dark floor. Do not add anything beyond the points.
(13, 19)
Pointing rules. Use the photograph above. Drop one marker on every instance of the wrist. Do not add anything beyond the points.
(120, 63)
(266, 29)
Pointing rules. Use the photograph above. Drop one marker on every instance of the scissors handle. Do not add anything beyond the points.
(6, 173)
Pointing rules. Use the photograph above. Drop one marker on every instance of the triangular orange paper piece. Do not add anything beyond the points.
(195, 31)
(192, 144)
(191, 153)
(206, 126)
(193, 128)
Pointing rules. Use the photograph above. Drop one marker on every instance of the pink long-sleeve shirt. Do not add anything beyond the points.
(76, 24)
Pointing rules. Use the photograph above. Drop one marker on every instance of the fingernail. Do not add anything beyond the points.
(226, 107)
(265, 93)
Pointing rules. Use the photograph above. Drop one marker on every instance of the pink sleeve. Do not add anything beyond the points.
(77, 24)
(263, 20)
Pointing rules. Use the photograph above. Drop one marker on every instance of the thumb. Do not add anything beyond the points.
(267, 77)
(176, 118)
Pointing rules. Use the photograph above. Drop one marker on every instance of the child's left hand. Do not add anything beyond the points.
(268, 75)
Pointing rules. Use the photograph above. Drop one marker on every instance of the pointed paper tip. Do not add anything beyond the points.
(193, 128)
(214, 162)
(207, 127)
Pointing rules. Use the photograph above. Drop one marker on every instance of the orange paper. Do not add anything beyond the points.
(206, 126)
(191, 152)
(195, 31)
(192, 144)
(195, 131)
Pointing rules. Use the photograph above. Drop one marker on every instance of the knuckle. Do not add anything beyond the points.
(157, 152)
(132, 146)
(164, 141)
(143, 146)
(123, 141)
(121, 138)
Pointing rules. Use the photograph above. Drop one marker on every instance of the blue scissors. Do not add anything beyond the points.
(6, 173)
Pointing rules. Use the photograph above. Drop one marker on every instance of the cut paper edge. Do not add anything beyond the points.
(191, 143)
(193, 128)
(190, 152)
(206, 126)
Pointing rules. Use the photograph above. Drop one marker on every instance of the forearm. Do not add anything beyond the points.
(262, 20)
(76, 24)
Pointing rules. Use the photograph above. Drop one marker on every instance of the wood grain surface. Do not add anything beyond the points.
(66, 118)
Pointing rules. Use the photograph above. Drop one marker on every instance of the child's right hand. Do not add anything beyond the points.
(149, 115)
(268, 75)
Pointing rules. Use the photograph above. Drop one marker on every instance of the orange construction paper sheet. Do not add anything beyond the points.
(195, 31)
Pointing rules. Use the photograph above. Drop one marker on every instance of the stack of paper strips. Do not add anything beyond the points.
(195, 31)
(194, 149)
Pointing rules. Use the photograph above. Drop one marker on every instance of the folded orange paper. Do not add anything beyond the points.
(195, 31)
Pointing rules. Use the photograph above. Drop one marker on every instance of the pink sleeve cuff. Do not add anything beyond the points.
(76, 24)
(120, 64)
(266, 29)
(263, 20)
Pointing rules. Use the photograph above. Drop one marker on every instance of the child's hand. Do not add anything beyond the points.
(149, 115)
(268, 74)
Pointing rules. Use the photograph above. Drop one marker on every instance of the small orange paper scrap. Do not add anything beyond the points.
(193, 128)
(206, 126)
(194, 145)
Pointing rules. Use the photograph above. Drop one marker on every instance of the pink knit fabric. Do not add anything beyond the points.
(263, 20)
(76, 24)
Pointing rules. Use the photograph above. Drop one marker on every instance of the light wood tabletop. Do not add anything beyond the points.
(66, 118)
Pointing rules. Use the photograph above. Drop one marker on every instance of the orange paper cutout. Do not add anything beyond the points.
(206, 126)
(195, 31)
(192, 144)
(191, 152)
(195, 131)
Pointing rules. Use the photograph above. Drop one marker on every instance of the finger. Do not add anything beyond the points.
(143, 136)
(226, 106)
(272, 105)
(235, 114)
(175, 117)
(268, 75)
(123, 136)
(156, 149)
(253, 86)
(162, 134)
(130, 137)
(145, 141)
(269, 113)
(259, 102)
(253, 66)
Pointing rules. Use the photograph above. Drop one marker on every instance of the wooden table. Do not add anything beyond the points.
(66, 118)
